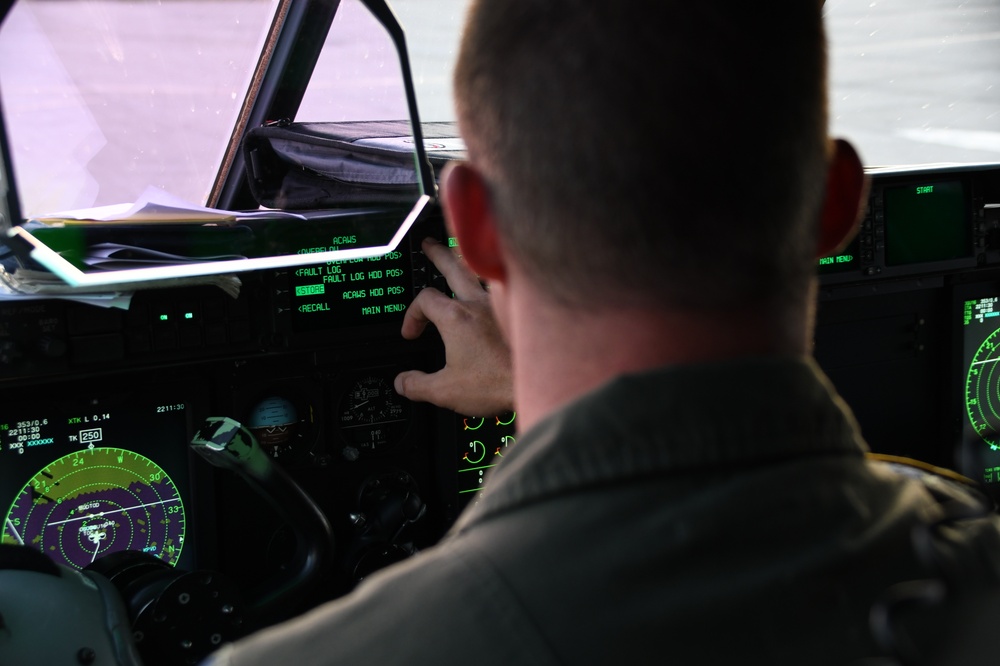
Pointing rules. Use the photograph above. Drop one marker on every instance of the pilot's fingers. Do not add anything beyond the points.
(423, 387)
(462, 281)
(429, 306)
(461, 390)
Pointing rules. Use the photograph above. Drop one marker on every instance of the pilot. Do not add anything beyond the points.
(647, 189)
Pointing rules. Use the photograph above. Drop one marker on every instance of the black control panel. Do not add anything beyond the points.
(902, 315)
(98, 405)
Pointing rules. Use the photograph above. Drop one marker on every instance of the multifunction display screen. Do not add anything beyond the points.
(85, 479)
(980, 374)
(925, 222)
(356, 292)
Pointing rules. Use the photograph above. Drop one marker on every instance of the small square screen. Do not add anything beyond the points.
(926, 222)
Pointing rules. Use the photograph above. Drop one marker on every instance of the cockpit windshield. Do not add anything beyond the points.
(105, 99)
(102, 99)
(916, 82)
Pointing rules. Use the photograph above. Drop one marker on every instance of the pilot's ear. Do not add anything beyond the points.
(470, 216)
(846, 192)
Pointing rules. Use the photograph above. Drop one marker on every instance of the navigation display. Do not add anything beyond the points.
(85, 479)
(980, 377)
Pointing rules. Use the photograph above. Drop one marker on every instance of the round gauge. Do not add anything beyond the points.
(274, 421)
(982, 391)
(98, 501)
(473, 422)
(282, 417)
(372, 416)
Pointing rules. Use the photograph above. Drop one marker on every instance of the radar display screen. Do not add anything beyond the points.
(88, 478)
(980, 382)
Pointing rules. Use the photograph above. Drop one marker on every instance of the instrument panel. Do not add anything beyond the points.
(98, 405)
(904, 321)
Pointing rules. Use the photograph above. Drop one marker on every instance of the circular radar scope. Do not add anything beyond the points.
(982, 391)
(98, 501)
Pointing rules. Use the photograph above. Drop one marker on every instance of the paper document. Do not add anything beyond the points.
(157, 206)
(26, 283)
(116, 256)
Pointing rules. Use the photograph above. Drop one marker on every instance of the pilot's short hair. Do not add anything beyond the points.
(669, 151)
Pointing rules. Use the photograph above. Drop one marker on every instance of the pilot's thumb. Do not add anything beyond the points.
(413, 384)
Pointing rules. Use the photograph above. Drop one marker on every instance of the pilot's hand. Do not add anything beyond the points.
(476, 377)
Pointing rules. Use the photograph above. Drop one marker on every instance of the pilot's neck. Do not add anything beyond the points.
(561, 353)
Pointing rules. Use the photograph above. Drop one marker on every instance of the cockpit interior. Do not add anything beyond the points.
(212, 216)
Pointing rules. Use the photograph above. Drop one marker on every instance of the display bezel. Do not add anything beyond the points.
(156, 425)
(974, 456)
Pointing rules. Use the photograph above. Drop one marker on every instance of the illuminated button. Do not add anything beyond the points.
(189, 314)
(188, 319)
(161, 316)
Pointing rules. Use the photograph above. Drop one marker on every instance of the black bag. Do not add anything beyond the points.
(305, 166)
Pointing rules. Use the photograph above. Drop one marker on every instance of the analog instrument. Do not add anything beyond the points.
(372, 416)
